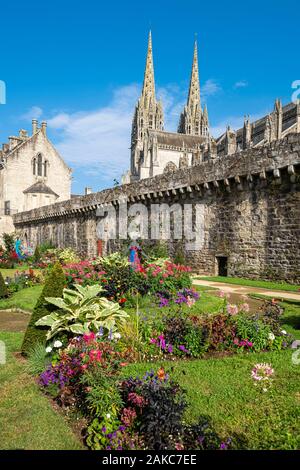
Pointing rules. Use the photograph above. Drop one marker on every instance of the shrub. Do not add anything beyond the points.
(84, 273)
(9, 242)
(168, 277)
(37, 254)
(81, 311)
(154, 406)
(37, 359)
(3, 288)
(219, 331)
(67, 256)
(54, 286)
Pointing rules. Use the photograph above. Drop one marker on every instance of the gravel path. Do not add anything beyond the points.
(245, 290)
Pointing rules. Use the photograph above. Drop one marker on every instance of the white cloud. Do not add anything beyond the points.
(35, 112)
(240, 84)
(98, 141)
(210, 88)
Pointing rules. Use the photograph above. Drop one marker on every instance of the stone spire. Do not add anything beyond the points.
(193, 102)
(192, 120)
(148, 115)
(148, 92)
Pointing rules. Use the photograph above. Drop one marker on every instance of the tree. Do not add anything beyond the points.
(54, 285)
(37, 254)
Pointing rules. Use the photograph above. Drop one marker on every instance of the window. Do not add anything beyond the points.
(7, 207)
(34, 166)
(40, 165)
(45, 168)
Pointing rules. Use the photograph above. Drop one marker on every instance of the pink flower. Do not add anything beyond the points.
(89, 337)
(190, 301)
(232, 309)
(221, 294)
(244, 307)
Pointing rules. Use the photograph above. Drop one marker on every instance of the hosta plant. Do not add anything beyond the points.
(82, 310)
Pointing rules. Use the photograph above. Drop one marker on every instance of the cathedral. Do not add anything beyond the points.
(155, 151)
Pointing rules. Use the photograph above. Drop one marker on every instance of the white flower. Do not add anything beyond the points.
(283, 332)
(271, 336)
(57, 344)
(108, 415)
(48, 349)
(116, 336)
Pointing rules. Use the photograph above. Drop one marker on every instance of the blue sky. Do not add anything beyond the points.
(79, 65)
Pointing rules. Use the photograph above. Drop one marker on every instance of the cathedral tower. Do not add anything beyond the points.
(148, 114)
(192, 120)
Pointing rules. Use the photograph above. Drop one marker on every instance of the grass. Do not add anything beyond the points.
(223, 389)
(10, 272)
(24, 299)
(284, 286)
(291, 315)
(27, 418)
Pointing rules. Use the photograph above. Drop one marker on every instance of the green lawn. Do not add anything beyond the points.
(24, 299)
(11, 271)
(291, 315)
(27, 418)
(224, 390)
(252, 283)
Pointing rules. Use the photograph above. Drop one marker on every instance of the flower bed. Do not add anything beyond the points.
(122, 414)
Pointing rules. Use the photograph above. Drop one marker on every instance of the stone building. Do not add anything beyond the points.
(155, 150)
(32, 174)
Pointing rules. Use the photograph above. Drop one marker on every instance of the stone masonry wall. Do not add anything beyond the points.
(250, 202)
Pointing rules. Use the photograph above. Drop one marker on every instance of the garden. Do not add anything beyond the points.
(122, 353)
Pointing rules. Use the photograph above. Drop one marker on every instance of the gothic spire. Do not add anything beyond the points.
(148, 92)
(192, 120)
(194, 91)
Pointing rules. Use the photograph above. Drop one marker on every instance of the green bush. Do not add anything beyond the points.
(37, 254)
(80, 311)
(37, 359)
(54, 286)
(3, 288)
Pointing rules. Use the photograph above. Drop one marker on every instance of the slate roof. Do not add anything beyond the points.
(173, 139)
(41, 188)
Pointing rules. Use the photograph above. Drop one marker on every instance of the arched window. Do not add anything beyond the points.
(46, 168)
(34, 166)
(40, 165)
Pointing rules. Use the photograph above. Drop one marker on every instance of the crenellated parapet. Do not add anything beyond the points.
(225, 172)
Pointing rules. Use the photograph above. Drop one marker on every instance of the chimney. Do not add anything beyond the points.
(34, 126)
(87, 191)
(44, 127)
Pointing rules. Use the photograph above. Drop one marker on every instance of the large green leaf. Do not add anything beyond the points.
(47, 320)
